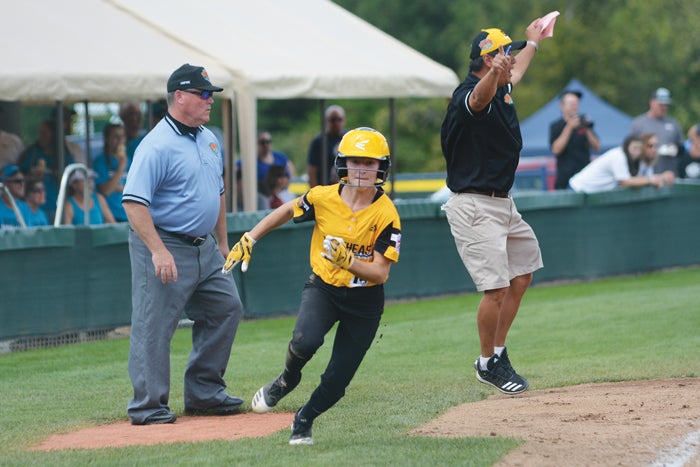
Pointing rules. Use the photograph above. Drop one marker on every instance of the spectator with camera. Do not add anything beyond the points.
(571, 138)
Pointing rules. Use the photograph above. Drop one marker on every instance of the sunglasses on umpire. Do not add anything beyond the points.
(204, 95)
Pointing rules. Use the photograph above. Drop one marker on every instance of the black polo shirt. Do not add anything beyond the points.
(482, 150)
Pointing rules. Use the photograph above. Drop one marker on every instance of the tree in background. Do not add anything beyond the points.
(622, 50)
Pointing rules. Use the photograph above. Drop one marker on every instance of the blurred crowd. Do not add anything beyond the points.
(655, 152)
(30, 176)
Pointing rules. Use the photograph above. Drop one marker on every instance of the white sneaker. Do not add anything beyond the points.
(259, 403)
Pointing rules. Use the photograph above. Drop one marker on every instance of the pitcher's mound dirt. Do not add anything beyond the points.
(629, 423)
(185, 429)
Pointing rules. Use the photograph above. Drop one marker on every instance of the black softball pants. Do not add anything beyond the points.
(357, 311)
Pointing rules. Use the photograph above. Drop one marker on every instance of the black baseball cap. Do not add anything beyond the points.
(191, 77)
(575, 92)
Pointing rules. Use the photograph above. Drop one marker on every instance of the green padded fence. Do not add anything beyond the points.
(57, 280)
(68, 279)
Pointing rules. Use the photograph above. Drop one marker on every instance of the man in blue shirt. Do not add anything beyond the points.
(174, 200)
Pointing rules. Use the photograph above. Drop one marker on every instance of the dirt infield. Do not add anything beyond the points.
(630, 423)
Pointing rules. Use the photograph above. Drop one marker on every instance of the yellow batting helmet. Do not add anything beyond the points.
(363, 142)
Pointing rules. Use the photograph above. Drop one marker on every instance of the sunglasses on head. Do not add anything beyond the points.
(204, 95)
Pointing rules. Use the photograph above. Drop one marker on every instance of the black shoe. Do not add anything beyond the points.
(269, 395)
(301, 431)
(229, 406)
(501, 376)
(506, 360)
(158, 418)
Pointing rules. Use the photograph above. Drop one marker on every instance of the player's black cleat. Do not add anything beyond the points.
(501, 375)
(269, 395)
(301, 431)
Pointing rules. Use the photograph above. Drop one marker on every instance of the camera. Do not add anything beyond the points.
(586, 121)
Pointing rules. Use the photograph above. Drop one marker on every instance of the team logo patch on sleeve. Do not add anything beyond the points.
(214, 147)
(302, 203)
(396, 241)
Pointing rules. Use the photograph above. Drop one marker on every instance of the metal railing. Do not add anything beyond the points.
(62, 193)
(6, 192)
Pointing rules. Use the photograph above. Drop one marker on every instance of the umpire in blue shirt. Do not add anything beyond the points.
(174, 200)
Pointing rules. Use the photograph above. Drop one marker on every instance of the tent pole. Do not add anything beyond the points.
(60, 139)
(392, 145)
(88, 158)
(229, 151)
(322, 178)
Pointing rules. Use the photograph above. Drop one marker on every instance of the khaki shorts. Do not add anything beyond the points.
(494, 242)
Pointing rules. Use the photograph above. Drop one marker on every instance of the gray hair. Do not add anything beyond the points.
(334, 109)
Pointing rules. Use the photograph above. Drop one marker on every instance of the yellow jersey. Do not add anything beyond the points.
(374, 229)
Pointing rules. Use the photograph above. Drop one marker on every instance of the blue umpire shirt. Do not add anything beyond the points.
(177, 173)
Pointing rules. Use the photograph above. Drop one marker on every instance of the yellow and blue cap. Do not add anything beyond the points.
(489, 40)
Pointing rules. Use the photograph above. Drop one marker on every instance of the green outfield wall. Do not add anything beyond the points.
(72, 279)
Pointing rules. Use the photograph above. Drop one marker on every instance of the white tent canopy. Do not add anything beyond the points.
(280, 49)
(112, 50)
(75, 50)
(303, 48)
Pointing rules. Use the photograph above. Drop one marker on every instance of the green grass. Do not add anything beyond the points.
(619, 329)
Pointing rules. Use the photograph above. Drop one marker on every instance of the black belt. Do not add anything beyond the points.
(491, 193)
(194, 241)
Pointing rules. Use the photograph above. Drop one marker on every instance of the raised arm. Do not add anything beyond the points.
(534, 36)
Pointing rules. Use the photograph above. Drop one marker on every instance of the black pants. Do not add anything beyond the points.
(357, 312)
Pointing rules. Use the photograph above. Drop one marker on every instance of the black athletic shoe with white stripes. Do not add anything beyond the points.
(269, 395)
(501, 375)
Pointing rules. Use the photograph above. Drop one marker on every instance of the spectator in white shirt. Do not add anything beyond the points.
(630, 165)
